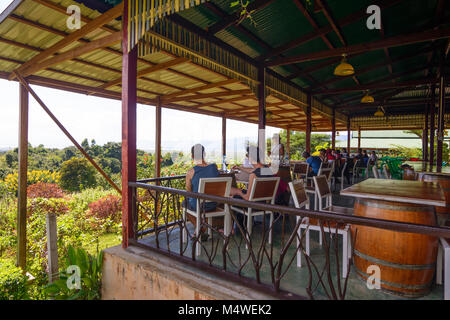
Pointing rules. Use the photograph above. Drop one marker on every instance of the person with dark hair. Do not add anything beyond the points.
(201, 169)
(344, 153)
(260, 170)
(313, 161)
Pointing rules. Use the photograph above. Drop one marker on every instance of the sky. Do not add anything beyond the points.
(100, 119)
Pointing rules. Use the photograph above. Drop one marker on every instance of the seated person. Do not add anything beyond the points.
(314, 163)
(260, 170)
(201, 169)
(323, 155)
(373, 158)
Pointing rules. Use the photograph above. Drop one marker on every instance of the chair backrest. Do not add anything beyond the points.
(387, 172)
(321, 185)
(343, 169)
(220, 186)
(375, 172)
(301, 168)
(322, 165)
(327, 172)
(284, 173)
(357, 162)
(264, 189)
(299, 194)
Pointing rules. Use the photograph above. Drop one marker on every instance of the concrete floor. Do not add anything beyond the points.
(296, 279)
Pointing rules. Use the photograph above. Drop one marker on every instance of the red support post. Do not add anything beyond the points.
(425, 135)
(224, 137)
(158, 117)
(348, 136)
(432, 125)
(261, 106)
(333, 130)
(440, 134)
(308, 124)
(129, 97)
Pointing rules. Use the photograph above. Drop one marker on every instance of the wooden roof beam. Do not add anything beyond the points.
(63, 10)
(378, 65)
(230, 100)
(400, 103)
(324, 30)
(72, 37)
(71, 54)
(366, 47)
(152, 69)
(233, 18)
(201, 88)
(207, 95)
(312, 22)
(422, 81)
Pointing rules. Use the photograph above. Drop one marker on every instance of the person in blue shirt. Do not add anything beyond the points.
(314, 163)
(201, 169)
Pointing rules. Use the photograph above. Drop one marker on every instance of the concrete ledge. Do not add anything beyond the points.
(138, 274)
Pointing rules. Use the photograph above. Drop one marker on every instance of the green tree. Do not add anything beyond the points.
(77, 174)
(9, 159)
(85, 144)
(298, 142)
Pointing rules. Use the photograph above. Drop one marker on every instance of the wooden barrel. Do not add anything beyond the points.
(406, 260)
(444, 181)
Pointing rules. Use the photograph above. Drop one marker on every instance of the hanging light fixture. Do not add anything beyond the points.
(269, 115)
(379, 112)
(344, 68)
(367, 98)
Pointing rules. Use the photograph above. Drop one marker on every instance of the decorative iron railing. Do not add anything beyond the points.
(252, 260)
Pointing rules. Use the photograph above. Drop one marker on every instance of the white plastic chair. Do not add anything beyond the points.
(213, 186)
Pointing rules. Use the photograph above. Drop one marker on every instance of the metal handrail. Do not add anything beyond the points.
(322, 215)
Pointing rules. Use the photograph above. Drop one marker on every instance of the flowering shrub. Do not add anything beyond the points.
(44, 190)
(44, 206)
(33, 177)
(105, 212)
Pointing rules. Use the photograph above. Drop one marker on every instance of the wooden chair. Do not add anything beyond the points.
(214, 186)
(263, 189)
(443, 262)
(300, 170)
(323, 191)
(301, 200)
(328, 172)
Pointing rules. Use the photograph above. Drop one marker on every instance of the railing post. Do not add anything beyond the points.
(129, 96)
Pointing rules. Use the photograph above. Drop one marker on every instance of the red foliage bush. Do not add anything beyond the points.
(109, 206)
(44, 190)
